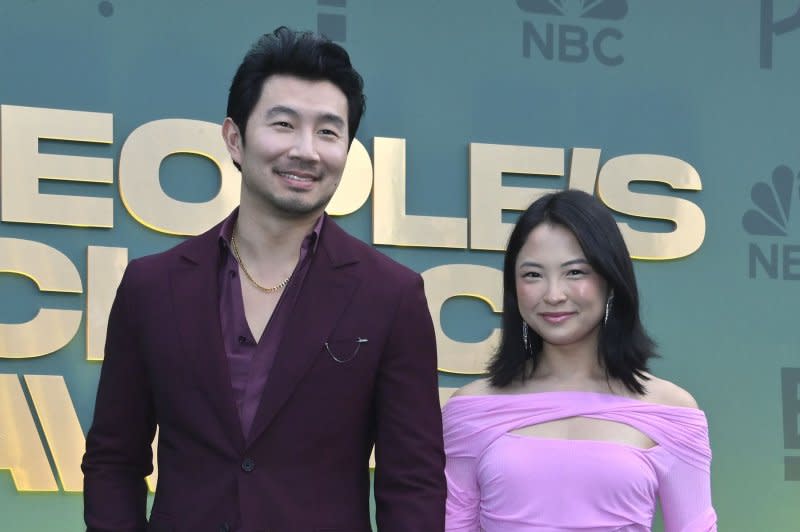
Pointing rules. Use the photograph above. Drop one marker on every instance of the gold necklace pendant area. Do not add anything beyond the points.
(267, 289)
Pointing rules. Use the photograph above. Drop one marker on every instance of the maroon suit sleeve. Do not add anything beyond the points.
(118, 453)
(410, 487)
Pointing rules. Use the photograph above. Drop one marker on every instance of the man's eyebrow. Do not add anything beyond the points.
(332, 118)
(281, 110)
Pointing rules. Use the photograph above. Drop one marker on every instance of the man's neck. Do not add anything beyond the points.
(271, 240)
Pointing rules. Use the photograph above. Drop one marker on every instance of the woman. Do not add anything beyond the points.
(569, 431)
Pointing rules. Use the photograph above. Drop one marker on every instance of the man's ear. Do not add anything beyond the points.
(233, 139)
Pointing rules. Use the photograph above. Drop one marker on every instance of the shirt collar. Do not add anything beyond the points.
(311, 240)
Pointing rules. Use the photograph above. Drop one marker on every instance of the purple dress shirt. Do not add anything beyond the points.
(250, 360)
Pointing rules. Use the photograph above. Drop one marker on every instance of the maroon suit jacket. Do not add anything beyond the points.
(305, 464)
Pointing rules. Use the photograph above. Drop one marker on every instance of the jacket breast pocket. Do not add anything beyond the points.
(346, 350)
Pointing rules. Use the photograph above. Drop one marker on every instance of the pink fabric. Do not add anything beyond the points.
(503, 482)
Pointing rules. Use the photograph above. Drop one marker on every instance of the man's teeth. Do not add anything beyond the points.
(296, 178)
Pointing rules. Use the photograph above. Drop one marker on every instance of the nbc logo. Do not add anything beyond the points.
(575, 42)
(771, 217)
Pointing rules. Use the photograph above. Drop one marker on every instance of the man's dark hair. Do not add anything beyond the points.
(624, 346)
(305, 55)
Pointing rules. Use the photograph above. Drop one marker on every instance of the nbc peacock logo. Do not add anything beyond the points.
(600, 9)
(771, 216)
(571, 40)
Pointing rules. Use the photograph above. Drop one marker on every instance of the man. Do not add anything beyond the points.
(275, 349)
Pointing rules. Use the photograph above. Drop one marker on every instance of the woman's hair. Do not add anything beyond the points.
(623, 347)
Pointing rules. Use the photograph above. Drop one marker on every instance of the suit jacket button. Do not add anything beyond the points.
(248, 465)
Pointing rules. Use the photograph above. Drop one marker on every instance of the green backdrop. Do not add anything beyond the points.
(712, 83)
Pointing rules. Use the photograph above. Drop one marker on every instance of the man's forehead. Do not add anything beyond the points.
(284, 92)
(291, 81)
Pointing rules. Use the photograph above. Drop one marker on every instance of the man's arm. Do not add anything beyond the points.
(410, 487)
(118, 453)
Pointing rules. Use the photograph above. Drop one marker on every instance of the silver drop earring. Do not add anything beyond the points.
(608, 309)
(525, 343)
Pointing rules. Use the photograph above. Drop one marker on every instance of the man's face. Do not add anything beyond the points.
(295, 147)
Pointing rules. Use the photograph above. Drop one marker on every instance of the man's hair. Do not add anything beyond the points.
(624, 346)
(305, 55)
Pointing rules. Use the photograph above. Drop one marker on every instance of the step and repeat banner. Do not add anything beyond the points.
(681, 116)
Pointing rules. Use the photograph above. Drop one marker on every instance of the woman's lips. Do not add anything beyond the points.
(556, 317)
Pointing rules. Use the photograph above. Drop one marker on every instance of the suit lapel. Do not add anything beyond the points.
(326, 292)
(195, 293)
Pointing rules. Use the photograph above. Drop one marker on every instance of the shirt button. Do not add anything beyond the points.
(248, 465)
(242, 340)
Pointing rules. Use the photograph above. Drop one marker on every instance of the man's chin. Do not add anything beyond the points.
(300, 209)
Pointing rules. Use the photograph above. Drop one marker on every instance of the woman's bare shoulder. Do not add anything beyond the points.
(476, 387)
(662, 391)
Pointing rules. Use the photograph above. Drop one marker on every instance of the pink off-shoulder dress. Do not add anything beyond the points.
(503, 482)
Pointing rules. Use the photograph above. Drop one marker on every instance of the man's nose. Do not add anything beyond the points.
(304, 146)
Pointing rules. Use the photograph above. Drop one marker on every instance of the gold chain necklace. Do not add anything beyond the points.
(267, 289)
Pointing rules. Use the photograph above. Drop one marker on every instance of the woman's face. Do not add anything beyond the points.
(559, 294)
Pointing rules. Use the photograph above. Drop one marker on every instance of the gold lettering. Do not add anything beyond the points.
(356, 182)
(105, 266)
(61, 427)
(452, 280)
(583, 169)
(21, 450)
(52, 271)
(23, 166)
(489, 198)
(390, 223)
(690, 223)
(140, 188)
